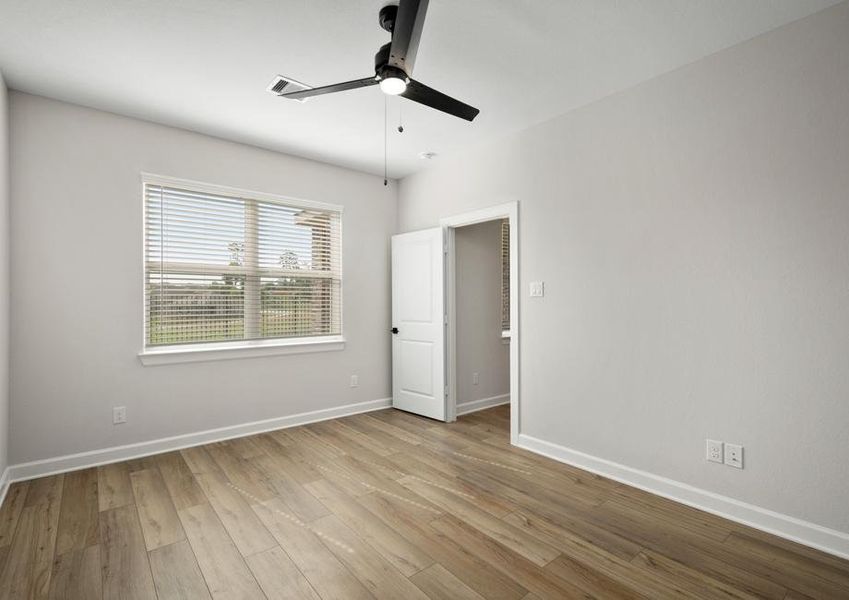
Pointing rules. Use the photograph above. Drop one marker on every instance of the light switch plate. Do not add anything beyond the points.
(119, 415)
(537, 289)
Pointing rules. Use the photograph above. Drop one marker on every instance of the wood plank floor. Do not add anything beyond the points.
(382, 505)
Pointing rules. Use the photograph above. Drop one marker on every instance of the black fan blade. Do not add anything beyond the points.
(329, 89)
(406, 34)
(419, 92)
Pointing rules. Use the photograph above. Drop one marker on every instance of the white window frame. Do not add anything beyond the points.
(197, 352)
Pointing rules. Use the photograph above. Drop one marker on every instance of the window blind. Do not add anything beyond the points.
(220, 268)
(505, 275)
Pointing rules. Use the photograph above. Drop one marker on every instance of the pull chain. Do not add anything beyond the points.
(400, 118)
(385, 140)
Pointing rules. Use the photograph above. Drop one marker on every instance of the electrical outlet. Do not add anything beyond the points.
(537, 289)
(714, 451)
(734, 455)
(476, 378)
(355, 380)
(119, 415)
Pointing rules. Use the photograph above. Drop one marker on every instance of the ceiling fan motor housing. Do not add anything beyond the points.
(382, 68)
(386, 17)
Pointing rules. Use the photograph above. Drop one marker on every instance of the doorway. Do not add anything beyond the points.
(488, 237)
(482, 314)
(425, 315)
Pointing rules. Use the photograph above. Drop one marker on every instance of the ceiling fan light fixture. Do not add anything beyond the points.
(393, 64)
(393, 85)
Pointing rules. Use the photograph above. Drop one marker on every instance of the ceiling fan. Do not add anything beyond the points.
(393, 64)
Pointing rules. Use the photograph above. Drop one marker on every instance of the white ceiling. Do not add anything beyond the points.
(204, 64)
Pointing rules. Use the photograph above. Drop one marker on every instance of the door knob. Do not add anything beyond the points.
(394, 330)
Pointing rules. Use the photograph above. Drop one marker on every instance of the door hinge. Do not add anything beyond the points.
(445, 319)
(446, 391)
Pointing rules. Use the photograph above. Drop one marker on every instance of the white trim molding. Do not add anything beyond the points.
(482, 215)
(93, 458)
(464, 408)
(225, 190)
(4, 485)
(804, 532)
(187, 353)
(510, 211)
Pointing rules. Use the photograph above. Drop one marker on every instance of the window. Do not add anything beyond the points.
(224, 266)
(505, 276)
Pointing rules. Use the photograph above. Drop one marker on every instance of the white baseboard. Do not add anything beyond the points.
(810, 534)
(93, 458)
(464, 408)
(4, 485)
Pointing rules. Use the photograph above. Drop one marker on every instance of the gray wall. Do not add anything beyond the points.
(77, 285)
(693, 236)
(4, 275)
(479, 345)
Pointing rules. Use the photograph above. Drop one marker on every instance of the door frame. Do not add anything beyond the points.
(509, 211)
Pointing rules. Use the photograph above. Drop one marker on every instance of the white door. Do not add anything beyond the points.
(418, 330)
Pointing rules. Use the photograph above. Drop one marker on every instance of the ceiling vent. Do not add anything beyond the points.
(283, 85)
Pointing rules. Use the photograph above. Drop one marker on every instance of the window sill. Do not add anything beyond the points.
(230, 350)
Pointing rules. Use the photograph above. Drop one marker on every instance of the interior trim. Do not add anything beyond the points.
(226, 190)
(804, 532)
(168, 355)
(93, 458)
(4, 485)
(464, 408)
(510, 211)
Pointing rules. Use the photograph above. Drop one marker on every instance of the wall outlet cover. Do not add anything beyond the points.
(734, 455)
(714, 451)
(537, 289)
